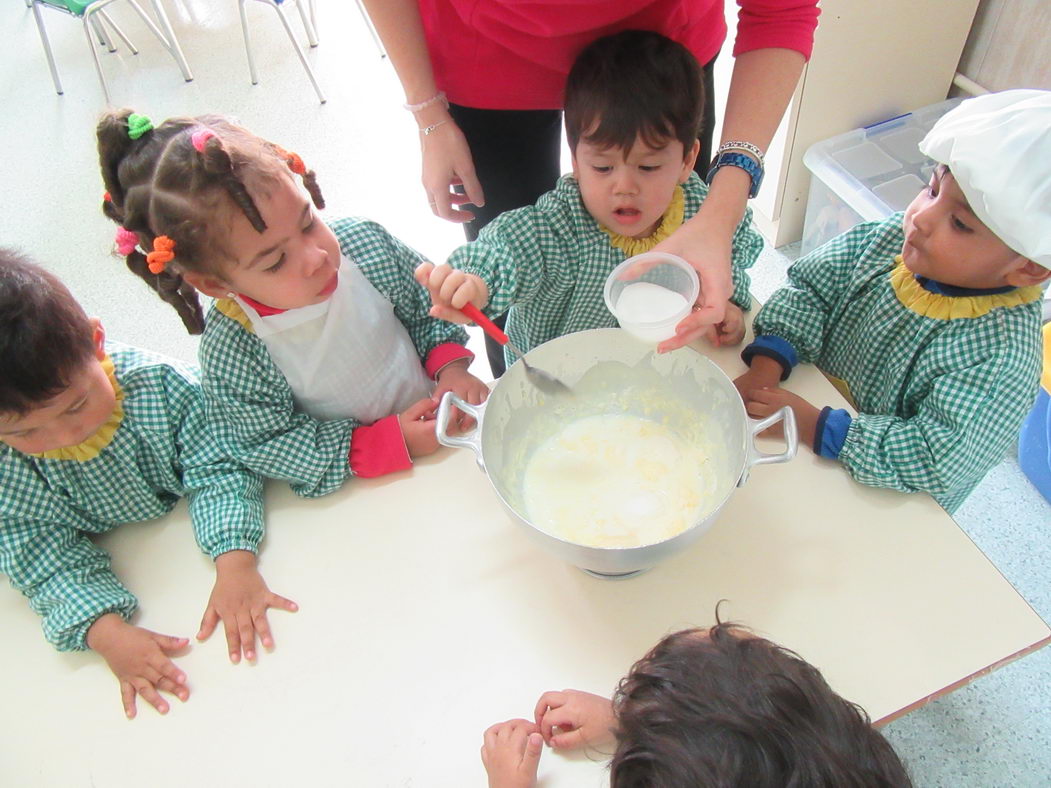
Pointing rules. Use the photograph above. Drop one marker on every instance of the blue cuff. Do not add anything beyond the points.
(780, 350)
(831, 432)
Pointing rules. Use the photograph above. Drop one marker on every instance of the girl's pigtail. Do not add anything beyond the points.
(172, 289)
(312, 187)
(114, 144)
(217, 163)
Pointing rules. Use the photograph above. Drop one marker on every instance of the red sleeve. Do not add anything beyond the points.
(442, 355)
(379, 449)
(784, 24)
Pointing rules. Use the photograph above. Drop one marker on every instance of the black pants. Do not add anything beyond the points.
(517, 158)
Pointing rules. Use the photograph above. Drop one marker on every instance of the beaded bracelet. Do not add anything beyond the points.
(740, 145)
(439, 96)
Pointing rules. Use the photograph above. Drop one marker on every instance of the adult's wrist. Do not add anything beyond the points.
(727, 197)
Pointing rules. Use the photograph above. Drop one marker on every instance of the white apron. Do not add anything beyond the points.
(347, 357)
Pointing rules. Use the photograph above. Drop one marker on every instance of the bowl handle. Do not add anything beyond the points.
(755, 457)
(473, 439)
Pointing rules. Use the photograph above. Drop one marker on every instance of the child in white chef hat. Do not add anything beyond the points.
(930, 319)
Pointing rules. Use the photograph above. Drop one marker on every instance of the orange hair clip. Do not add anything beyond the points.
(162, 254)
(295, 163)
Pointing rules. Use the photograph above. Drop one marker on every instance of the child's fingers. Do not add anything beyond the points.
(208, 623)
(246, 632)
(448, 314)
(127, 699)
(276, 600)
(169, 686)
(422, 274)
(168, 669)
(464, 293)
(549, 700)
(150, 695)
(418, 409)
(568, 740)
(534, 746)
(169, 643)
(233, 639)
(453, 282)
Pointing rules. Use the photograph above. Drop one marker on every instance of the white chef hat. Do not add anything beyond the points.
(998, 147)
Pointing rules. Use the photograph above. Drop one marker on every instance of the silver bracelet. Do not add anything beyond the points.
(428, 130)
(439, 96)
(746, 147)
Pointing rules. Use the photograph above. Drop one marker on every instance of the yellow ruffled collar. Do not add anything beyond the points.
(670, 222)
(102, 438)
(233, 310)
(923, 302)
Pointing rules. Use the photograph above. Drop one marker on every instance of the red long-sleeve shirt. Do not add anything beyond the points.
(515, 54)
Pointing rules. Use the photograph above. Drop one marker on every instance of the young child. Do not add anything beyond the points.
(930, 319)
(94, 434)
(716, 707)
(318, 356)
(633, 106)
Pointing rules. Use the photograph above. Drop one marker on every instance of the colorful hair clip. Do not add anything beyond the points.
(106, 197)
(200, 137)
(295, 163)
(126, 241)
(162, 254)
(138, 125)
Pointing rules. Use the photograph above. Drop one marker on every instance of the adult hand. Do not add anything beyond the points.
(140, 660)
(240, 598)
(447, 163)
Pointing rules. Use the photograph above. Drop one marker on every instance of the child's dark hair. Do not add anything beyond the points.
(634, 84)
(181, 180)
(45, 337)
(724, 708)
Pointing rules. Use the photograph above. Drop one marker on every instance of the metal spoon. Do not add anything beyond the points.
(544, 381)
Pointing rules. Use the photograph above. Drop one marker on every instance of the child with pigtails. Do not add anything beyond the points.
(319, 359)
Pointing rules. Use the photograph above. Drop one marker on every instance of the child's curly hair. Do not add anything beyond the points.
(162, 184)
(724, 708)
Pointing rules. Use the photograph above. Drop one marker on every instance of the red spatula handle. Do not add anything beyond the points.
(488, 326)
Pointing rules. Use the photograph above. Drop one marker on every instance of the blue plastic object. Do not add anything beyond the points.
(1034, 445)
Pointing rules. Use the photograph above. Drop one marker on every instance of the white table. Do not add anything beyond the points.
(426, 615)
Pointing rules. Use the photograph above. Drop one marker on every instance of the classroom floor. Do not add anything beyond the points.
(363, 145)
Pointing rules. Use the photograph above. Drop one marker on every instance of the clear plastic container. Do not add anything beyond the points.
(649, 303)
(867, 174)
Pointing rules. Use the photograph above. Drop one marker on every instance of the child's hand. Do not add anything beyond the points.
(511, 754)
(764, 373)
(417, 427)
(730, 331)
(241, 598)
(450, 290)
(454, 377)
(762, 402)
(139, 659)
(582, 719)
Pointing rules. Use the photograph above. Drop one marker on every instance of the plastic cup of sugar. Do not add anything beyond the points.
(650, 293)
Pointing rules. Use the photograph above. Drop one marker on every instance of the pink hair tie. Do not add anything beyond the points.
(200, 137)
(126, 241)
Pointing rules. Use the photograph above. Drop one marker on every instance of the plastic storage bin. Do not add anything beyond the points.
(1034, 443)
(867, 174)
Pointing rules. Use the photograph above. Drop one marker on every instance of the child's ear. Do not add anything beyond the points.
(576, 168)
(98, 338)
(689, 161)
(1026, 274)
(208, 284)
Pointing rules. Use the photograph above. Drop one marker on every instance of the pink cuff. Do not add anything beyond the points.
(379, 449)
(442, 355)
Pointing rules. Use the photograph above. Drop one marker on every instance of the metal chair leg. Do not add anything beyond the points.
(248, 42)
(95, 57)
(103, 36)
(372, 29)
(47, 46)
(120, 33)
(308, 26)
(299, 51)
(171, 43)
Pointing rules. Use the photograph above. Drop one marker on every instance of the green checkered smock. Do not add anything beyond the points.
(939, 400)
(249, 403)
(546, 264)
(160, 452)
